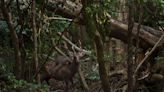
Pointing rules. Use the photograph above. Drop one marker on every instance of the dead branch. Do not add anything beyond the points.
(146, 57)
(73, 45)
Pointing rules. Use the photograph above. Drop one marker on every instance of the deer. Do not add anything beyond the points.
(63, 69)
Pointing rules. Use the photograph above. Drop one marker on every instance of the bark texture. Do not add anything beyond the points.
(15, 41)
(35, 42)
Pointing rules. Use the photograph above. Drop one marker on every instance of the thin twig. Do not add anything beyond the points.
(146, 57)
(145, 76)
(59, 18)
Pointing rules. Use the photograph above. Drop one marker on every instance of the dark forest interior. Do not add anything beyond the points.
(81, 46)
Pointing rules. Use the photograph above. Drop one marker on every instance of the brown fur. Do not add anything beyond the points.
(62, 69)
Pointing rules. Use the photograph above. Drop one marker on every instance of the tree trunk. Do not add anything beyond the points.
(101, 62)
(35, 44)
(113, 42)
(130, 49)
(15, 41)
(21, 40)
(92, 30)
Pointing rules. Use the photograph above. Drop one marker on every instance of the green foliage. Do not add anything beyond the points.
(94, 75)
(97, 11)
(11, 84)
(99, 15)
(4, 34)
(112, 6)
(3, 26)
(153, 12)
(40, 2)
(160, 57)
(23, 85)
(58, 25)
(2, 69)
(49, 33)
(108, 56)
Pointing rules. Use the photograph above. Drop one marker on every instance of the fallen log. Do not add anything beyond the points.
(147, 36)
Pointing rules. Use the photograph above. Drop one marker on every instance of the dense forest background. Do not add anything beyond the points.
(82, 46)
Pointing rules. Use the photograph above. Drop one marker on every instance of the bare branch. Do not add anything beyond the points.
(59, 18)
(146, 57)
(76, 47)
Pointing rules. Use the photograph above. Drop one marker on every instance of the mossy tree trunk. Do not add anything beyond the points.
(93, 31)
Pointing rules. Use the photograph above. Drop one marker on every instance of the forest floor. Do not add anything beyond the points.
(117, 82)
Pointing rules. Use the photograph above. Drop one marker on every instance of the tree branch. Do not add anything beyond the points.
(146, 57)
(76, 47)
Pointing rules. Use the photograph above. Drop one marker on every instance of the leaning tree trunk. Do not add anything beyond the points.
(15, 41)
